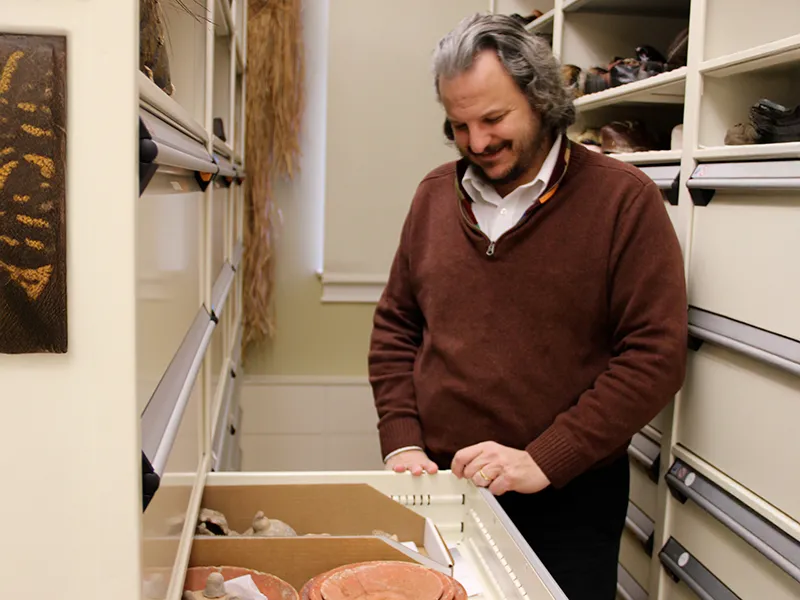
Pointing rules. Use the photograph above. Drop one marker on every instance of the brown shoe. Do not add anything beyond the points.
(626, 136)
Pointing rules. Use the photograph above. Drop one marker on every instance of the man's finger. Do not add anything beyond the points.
(399, 468)
(416, 470)
(474, 468)
(432, 467)
(500, 485)
(463, 457)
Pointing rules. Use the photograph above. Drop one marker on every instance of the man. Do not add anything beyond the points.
(535, 314)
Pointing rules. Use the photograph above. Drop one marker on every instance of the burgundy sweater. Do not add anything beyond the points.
(564, 340)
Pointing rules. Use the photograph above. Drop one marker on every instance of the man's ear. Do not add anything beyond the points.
(448, 130)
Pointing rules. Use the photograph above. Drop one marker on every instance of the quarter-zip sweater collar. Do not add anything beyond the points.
(564, 340)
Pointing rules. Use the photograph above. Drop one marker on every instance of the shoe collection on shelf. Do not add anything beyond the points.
(707, 103)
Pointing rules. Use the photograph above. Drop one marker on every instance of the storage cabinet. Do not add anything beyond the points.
(733, 201)
(155, 300)
(738, 415)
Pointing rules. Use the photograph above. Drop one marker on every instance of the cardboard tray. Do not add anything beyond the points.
(339, 510)
(295, 560)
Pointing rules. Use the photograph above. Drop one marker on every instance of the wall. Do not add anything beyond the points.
(311, 338)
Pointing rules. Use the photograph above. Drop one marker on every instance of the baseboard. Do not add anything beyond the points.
(352, 288)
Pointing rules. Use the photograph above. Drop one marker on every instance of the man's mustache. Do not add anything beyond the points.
(489, 150)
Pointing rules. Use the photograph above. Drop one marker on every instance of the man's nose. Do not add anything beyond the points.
(479, 140)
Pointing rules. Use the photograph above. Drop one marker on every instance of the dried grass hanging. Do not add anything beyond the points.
(275, 103)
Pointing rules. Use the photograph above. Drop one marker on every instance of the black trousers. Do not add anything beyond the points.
(575, 531)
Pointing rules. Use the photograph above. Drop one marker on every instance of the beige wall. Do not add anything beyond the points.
(330, 205)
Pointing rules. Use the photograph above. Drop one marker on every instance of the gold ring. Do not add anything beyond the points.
(480, 471)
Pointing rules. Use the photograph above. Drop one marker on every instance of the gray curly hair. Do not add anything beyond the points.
(526, 57)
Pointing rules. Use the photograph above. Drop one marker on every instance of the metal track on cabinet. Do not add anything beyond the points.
(687, 484)
(163, 414)
(708, 178)
(769, 348)
(682, 566)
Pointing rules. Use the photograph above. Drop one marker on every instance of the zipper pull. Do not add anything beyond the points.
(490, 249)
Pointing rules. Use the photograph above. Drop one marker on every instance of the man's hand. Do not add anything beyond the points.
(415, 461)
(500, 468)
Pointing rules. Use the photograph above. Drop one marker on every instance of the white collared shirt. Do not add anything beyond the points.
(496, 215)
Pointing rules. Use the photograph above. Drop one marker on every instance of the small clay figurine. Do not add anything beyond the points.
(381, 533)
(213, 522)
(264, 527)
(215, 586)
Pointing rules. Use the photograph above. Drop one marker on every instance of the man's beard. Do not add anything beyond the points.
(530, 147)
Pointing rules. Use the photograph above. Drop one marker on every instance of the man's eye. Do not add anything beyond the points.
(494, 120)
(460, 127)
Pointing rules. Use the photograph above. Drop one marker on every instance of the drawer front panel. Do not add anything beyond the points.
(747, 572)
(643, 492)
(661, 422)
(743, 262)
(167, 276)
(740, 416)
(635, 560)
(676, 591)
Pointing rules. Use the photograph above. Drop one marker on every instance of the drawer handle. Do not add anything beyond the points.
(766, 347)
(666, 177)
(647, 453)
(164, 412)
(221, 289)
(640, 525)
(687, 484)
(163, 145)
(708, 178)
(682, 566)
(627, 587)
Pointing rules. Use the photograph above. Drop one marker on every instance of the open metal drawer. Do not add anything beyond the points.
(485, 545)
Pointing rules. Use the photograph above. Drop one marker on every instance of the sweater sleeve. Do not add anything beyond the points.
(395, 339)
(649, 329)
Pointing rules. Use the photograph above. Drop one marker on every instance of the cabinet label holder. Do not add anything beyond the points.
(770, 348)
(708, 178)
(687, 484)
(682, 566)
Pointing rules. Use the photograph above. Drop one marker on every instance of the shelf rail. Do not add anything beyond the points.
(782, 549)
(769, 348)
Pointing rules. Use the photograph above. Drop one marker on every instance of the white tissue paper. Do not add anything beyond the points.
(244, 588)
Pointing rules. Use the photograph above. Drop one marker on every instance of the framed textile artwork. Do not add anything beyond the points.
(33, 111)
